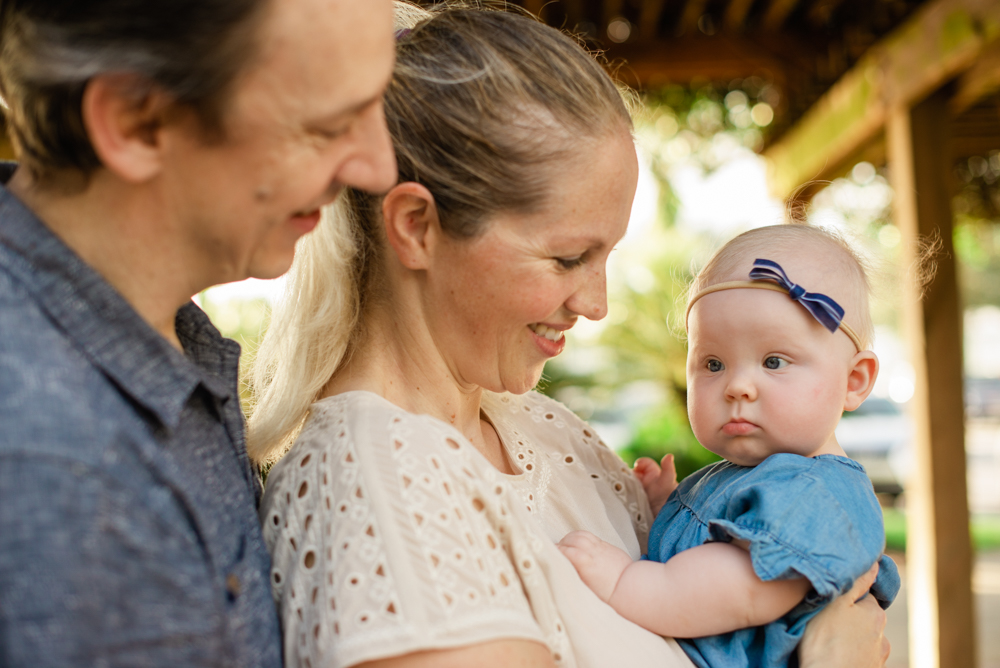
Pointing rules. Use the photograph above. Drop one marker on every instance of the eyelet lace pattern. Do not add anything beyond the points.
(390, 533)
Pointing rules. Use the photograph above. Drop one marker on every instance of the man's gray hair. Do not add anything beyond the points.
(51, 49)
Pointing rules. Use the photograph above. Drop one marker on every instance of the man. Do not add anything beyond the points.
(165, 146)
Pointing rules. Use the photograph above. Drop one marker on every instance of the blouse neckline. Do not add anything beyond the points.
(500, 429)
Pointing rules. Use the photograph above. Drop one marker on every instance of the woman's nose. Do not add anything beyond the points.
(591, 297)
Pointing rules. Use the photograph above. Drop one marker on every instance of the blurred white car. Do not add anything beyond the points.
(877, 435)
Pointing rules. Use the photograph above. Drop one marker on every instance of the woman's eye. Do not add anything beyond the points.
(570, 262)
(715, 366)
(775, 363)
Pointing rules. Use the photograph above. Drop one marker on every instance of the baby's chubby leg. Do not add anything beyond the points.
(599, 564)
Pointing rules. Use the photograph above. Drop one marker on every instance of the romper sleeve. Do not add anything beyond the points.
(387, 539)
(810, 517)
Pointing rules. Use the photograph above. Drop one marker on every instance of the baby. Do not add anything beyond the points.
(744, 552)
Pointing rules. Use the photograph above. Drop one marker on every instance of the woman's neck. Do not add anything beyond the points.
(398, 360)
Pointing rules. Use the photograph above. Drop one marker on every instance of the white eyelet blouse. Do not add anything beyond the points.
(390, 533)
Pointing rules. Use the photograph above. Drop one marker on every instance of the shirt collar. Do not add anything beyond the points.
(98, 320)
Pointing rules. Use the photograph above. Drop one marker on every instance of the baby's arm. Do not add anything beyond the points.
(707, 590)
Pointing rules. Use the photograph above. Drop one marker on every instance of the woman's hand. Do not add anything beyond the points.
(659, 480)
(848, 633)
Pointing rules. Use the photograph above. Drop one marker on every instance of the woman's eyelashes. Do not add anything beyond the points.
(571, 262)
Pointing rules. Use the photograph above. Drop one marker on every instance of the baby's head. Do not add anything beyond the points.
(765, 375)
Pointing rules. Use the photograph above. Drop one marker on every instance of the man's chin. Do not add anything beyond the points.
(272, 268)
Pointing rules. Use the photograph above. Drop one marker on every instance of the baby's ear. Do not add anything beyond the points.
(861, 379)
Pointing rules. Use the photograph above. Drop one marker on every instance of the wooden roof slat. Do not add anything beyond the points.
(736, 15)
(980, 80)
(719, 58)
(649, 18)
(612, 10)
(777, 13)
(534, 6)
(693, 9)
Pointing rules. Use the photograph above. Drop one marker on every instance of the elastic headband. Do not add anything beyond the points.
(768, 275)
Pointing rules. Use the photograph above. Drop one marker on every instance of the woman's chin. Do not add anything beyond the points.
(520, 385)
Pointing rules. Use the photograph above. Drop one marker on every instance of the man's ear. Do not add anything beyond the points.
(861, 379)
(411, 223)
(123, 114)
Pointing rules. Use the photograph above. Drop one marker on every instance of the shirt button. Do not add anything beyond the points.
(233, 585)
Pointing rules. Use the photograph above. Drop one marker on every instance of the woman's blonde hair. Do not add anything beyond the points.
(482, 107)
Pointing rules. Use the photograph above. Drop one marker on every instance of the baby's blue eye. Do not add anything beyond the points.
(715, 366)
(774, 363)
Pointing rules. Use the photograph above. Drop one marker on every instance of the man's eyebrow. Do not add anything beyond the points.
(349, 111)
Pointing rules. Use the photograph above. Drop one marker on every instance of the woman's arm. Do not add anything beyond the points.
(508, 653)
(848, 633)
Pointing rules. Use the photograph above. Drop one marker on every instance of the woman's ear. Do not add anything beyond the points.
(861, 379)
(123, 115)
(411, 223)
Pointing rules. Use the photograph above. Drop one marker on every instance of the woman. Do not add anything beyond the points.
(413, 523)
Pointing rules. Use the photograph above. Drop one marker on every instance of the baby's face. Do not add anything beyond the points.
(764, 377)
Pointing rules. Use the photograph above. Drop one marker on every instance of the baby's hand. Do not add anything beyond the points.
(659, 480)
(599, 564)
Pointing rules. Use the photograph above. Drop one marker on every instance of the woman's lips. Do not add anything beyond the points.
(305, 222)
(543, 337)
(739, 428)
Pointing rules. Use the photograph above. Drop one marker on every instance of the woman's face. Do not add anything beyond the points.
(498, 305)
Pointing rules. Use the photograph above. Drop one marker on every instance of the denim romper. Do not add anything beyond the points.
(814, 517)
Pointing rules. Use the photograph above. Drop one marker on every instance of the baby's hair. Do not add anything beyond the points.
(727, 263)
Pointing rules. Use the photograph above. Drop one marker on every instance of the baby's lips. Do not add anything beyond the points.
(735, 428)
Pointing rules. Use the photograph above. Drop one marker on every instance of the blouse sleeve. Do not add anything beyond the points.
(387, 538)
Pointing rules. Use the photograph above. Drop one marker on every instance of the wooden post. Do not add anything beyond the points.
(938, 553)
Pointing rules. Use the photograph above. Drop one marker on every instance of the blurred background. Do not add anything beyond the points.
(839, 113)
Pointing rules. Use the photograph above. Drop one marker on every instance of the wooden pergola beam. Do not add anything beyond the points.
(693, 9)
(534, 6)
(649, 18)
(777, 13)
(736, 14)
(942, 40)
(938, 550)
(721, 58)
(979, 81)
(612, 9)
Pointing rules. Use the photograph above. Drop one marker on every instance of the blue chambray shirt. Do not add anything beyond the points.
(128, 525)
(815, 517)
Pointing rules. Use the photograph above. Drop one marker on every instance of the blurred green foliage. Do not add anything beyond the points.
(977, 228)
(985, 530)
(667, 431)
(244, 321)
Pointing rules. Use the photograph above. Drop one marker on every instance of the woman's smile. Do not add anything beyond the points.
(550, 340)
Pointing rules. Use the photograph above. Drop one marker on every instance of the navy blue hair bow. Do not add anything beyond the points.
(828, 312)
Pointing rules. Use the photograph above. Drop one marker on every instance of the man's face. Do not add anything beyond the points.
(304, 120)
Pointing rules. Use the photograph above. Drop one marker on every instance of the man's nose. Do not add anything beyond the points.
(373, 165)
